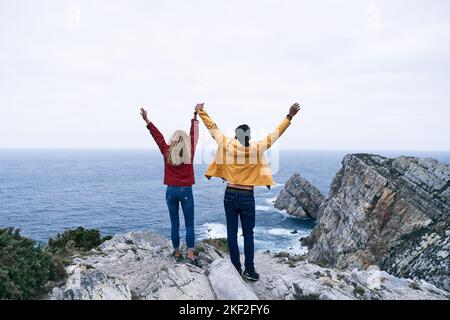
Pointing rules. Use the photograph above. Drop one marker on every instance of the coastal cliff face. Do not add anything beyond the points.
(138, 265)
(392, 213)
(300, 198)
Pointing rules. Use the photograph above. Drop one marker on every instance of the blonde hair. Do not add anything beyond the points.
(179, 149)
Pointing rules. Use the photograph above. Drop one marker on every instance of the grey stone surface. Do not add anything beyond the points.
(138, 265)
(299, 198)
(141, 260)
(227, 282)
(289, 278)
(393, 213)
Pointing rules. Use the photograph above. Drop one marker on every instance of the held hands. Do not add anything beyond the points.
(199, 107)
(295, 108)
(144, 115)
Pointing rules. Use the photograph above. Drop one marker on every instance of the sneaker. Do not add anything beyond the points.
(177, 256)
(250, 275)
(192, 261)
(239, 271)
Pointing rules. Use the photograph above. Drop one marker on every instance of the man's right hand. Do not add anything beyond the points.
(295, 108)
(199, 107)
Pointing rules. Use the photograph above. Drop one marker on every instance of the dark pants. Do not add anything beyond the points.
(174, 197)
(240, 204)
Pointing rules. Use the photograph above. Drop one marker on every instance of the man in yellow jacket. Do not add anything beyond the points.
(242, 164)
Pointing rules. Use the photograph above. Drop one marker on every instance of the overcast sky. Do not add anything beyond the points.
(370, 75)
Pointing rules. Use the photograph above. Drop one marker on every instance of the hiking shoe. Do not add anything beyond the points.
(177, 256)
(250, 275)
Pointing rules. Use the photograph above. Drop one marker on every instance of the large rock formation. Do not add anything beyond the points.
(393, 213)
(299, 198)
(138, 265)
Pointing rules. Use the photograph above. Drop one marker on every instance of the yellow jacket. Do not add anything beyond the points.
(238, 164)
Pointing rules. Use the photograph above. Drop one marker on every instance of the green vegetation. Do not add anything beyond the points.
(358, 291)
(289, 259)
(220, 244)
(310, 297)
(76, 241)
(414, 286)
(300, 295)
(27, 270)
(25, 267)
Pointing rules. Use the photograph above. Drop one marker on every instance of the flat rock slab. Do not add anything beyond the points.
(227, 283)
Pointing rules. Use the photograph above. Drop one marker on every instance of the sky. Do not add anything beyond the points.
(369, 75)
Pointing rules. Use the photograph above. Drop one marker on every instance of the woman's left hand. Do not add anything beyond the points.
(144, 115)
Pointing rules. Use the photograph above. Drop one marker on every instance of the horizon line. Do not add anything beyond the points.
(356, 150)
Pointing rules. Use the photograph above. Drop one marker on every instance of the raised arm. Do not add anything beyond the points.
(194, 134)
(210, 124)
(156, 134)
(268, 141)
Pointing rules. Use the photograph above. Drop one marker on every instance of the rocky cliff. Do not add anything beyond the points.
(299, 198)
(138, 265)
(393, 213)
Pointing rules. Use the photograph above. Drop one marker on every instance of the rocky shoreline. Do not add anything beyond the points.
(138, 265)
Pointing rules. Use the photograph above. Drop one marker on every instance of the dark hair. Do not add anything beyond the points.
(243, 134)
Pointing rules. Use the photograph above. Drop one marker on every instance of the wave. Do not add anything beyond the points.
(213, 231)
(282, 232)
(264, 208)
(271, 201)
(272, 239)
(286, 240)
(269, 206)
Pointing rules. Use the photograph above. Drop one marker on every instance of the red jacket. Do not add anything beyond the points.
(182, 175)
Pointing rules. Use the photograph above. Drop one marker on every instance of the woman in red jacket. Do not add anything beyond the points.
(179, 178)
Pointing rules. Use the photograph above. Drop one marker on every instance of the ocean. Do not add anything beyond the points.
(44, 192)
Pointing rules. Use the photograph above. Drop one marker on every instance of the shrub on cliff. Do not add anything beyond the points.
(24, 267)
(27, 270)
(70, 242)
(220, 244)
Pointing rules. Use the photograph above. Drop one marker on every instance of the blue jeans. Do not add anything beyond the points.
(174, 197)
(240, 204)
